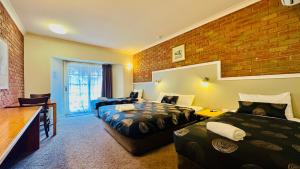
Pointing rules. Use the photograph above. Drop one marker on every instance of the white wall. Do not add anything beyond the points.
(120, 89)
(220, 94)
(57, 84)
(118, 80)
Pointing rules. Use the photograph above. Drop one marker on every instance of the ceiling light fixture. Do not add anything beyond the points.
(57, 29)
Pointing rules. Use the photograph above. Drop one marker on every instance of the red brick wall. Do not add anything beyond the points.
(261, 39)
(15, 40)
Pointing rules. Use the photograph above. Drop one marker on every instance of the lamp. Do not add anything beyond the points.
(156, 82)
(129, 66)
(205, 82)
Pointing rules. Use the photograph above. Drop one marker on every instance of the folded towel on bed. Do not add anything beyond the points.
(295, 119)
(124, 107)
(102, 98)
(226, 130)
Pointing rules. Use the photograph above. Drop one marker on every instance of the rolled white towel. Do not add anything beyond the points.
(226, 130)
(102, 98)
(124, 107)
(295, 119)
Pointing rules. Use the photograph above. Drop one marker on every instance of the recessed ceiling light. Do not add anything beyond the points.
(57, 29)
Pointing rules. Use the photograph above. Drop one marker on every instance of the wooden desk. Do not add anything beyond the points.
(209, 113)
(50, 104)
(19, 131)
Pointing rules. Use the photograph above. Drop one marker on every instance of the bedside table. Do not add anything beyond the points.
(208, 113)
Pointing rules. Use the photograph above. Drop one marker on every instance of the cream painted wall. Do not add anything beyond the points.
(119, 75)
(40, 49)
(221, 94)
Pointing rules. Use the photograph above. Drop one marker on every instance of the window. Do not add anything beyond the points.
(84, 83)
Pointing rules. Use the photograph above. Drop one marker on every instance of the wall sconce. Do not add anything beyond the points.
(129, 66)
(156, 82)
(205, 82)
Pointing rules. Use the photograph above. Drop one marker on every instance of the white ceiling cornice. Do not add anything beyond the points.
(11, 11)
(203, 22)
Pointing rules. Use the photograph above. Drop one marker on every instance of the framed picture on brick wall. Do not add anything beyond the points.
(178, 53)
(3, 65)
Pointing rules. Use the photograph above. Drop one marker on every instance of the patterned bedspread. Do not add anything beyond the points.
(147, 118)
(112, 101)
(270, 144)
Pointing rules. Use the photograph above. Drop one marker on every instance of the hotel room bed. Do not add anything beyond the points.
(112, 101)
(149, 126)
(134, 96)
(270, 143)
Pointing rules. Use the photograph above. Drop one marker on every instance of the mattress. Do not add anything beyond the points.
(270, 143)
(147, 118)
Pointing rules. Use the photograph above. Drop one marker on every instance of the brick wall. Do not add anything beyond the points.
(11, 34)
(261, 39)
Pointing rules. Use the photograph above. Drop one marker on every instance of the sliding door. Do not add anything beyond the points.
(83, 83)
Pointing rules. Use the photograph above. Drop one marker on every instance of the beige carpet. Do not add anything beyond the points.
(82, 143)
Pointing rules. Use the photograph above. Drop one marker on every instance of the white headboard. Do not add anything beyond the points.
(222, 93)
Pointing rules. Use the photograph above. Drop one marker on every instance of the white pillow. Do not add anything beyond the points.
(295, 119)
(185, 100)
(196, 108)
(284, 98)
(140, 91)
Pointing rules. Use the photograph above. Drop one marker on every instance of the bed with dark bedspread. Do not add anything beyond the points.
(270, 143)
(114, 101)
(147, 118)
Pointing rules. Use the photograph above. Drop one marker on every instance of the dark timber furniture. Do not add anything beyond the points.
(44, 118)
(19, 132)
(40, 95)
(50, 104)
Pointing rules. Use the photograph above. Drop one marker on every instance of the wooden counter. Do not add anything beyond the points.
(18, 126)
(50, 104)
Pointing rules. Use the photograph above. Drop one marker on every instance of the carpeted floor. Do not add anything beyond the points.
(82, 143)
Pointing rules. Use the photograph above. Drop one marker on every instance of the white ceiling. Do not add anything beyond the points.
(129, 25)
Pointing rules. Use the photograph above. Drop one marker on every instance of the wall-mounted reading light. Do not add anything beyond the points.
(129, 66)
(156, 82)
(205, 82)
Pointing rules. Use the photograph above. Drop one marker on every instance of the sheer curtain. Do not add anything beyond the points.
(84, 82)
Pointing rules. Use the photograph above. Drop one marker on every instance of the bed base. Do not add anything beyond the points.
(140, 146)
(184, 163)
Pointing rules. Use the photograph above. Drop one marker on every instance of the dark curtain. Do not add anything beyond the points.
(107, 81)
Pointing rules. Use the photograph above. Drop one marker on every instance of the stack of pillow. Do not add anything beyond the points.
(136, 94)
(278, 106)
(174, 98)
